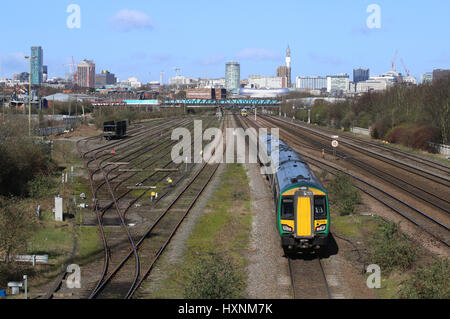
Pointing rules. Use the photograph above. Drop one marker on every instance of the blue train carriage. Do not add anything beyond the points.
(300, 199)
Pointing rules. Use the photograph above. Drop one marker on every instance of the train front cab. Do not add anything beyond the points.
(304, 219)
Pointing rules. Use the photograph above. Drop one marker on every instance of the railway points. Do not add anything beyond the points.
(140, 199)
(101, 289)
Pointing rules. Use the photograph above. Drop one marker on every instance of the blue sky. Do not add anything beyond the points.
(142, 38)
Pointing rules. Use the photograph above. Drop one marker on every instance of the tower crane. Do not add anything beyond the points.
(72, 67)
(75, 73)
(406, 69)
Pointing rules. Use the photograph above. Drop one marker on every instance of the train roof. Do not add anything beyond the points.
(292, 169)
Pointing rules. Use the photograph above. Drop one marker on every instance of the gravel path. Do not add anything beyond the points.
(268, 270)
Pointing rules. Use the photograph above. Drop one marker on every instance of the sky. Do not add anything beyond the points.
(141, 38)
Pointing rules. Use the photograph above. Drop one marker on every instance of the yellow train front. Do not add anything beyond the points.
(244, 113)
(301, 201)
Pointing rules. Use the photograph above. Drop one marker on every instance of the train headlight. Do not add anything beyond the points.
(287, 228)
(321, 228)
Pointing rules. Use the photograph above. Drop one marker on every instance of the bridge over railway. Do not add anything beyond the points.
(221, 102)
(237, 102)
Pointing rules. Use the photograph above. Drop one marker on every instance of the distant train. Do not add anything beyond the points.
(114, 129)
(244, 113)
(301, 201)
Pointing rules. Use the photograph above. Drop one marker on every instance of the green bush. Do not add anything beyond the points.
(21, 159)
(422, 105)
(41, 186)
(429, 282)
(16, 227)
(343, 194)
(391, 250)
(214, 277)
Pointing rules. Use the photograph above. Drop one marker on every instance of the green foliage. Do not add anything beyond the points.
(21, 159)
(214, 277)
(343, 194)
(391, 250)
(41, 186)
(429, 282)
(15, 227)
(421, 106)
(14, 272)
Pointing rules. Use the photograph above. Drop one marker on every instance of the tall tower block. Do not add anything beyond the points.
(288, 65)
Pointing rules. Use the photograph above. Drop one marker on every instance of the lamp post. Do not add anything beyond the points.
(25, 278)
(3, 102)
(29, 95)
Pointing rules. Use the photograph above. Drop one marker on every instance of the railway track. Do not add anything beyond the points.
(308, 278)
(401, 155)
(138, 248)
(107, 249)
(435, 203)
(149, 163)
(137, 134)
(441, 178)
(437, 198)
(424, 221)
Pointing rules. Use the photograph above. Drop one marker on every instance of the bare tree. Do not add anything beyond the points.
(15, 229)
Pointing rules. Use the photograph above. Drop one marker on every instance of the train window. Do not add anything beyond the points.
(287, 208)
(320, 207)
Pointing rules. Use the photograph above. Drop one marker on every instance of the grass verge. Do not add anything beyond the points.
(213, 263)
(406, 269)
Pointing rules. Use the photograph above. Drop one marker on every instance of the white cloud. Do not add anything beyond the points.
(128, 20)
(258, 54)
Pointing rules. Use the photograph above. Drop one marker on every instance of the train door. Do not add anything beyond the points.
(304, 214)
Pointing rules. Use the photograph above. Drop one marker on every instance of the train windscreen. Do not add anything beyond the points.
(320, 207)
(287, 208)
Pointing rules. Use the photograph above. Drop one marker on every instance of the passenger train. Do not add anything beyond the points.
(244, 113)
(301, 201)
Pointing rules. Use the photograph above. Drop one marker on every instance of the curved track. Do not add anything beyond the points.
(159, 226)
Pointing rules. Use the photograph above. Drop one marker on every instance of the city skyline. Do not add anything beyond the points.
(112, 36)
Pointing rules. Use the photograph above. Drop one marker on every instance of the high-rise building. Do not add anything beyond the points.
(105, 78)
(181, 80)
(311, 82)
(371, 85)
(283, 72)
(360, 75)
(86, 74)
(37, 65)
(266, 82)
(44, 73)
(289, 67)
(338, 83)
(232, 76)
(24, 77)
(427, 78)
